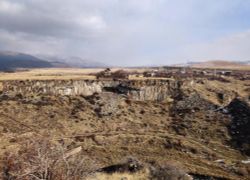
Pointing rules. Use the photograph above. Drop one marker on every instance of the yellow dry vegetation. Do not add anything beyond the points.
(208, 89)
(118, 176)
(146, 130)
(66, 74)
(50, 74)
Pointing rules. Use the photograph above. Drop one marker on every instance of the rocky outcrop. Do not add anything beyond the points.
(1, 86)
(61, 87)
(239, 127)
(140, 90)
(106, 103)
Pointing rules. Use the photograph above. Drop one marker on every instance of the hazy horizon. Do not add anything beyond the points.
(128, 32)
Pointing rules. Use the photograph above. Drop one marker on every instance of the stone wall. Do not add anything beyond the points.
(135, 89)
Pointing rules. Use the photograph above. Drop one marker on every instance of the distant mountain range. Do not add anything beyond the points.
(217, 64)
(74, 62)
(245, 62)
(13, 60)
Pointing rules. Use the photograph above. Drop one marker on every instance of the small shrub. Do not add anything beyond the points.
(120, 74)
(40, 159)
(167, 172)
(243, 171)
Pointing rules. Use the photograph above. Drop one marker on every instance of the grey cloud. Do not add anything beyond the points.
(88, 28)
(40, 20)
(230, 47)
(121, 32)
(31, 44)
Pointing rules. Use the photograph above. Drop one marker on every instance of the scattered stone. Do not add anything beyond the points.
(131, 165)
(246, 161)
(221, 161)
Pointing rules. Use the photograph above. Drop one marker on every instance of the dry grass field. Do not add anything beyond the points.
(193, 130)
(58, 73)
(50, 74)
(84, 73)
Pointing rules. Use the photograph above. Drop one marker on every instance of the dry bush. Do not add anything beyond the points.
(120, 74)
(243, 170)
(39, 159)
(100, 74)
(168, 172)
(104, 74)
(218, 78)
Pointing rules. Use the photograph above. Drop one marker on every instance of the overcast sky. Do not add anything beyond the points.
(128, 32)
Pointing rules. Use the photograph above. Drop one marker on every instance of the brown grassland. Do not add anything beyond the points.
(189, 131)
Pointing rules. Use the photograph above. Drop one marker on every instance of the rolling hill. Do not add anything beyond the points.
(12, 61)
(77, 62)
(220, 64)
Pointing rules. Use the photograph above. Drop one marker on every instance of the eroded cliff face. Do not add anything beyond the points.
(140, 90)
